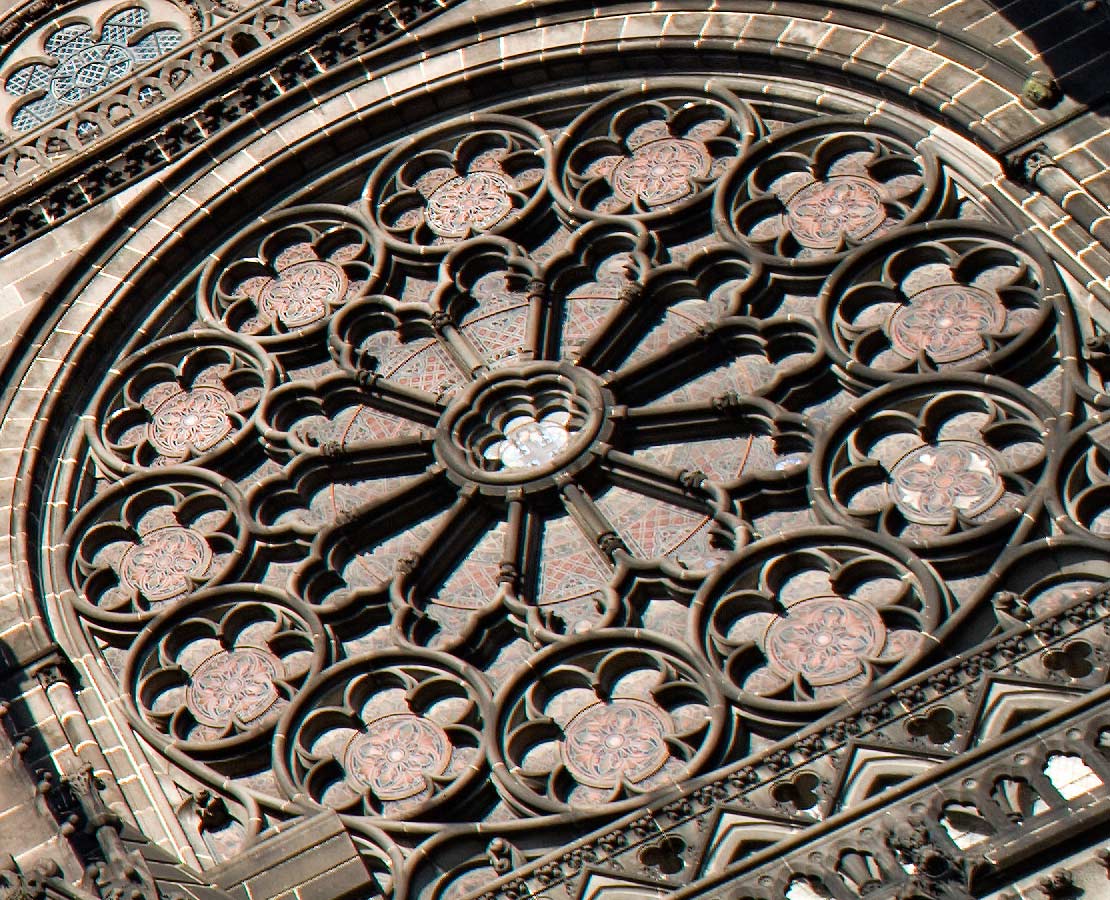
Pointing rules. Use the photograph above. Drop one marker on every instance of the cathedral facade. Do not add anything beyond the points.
(486, 450)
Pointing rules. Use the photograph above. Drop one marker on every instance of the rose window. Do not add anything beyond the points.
(538, 462)
(83, 61)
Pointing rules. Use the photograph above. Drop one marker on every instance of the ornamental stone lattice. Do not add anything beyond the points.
(81, 60)
(552, 457)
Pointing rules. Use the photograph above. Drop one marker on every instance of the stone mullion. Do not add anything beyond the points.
(664, 423)
(542, 335)
(601, 349)
(403, 400)
(459, 345)
(592, 521)
(644, 478)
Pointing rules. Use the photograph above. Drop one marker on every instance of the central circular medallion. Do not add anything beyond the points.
(661, 171)
(608, 742)
(164, 565)
(474, 202)
(947, 322)
(844, 206)
(191, 420)
(520, 427)
(396, 754)
(932, 483)
(233, 686)
(824, 639)
(302, 293)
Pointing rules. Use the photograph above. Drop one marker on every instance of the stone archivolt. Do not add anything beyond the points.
(544, 474)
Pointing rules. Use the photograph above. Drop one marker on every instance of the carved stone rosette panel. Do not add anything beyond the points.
(537, 464)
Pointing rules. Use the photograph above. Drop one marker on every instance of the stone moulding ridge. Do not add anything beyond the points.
(867, 718)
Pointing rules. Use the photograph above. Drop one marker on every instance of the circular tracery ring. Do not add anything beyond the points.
(460, 182)
(939, 296)
(213, 672)
(515, 429)
(944, 463)
(186, 398)
(393, 733)
(795, 624)
(281, 280)
(151, 540)
(650, 152)
(603, 719)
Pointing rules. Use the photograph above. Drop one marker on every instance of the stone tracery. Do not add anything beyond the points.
(82, 60)
(472, 497)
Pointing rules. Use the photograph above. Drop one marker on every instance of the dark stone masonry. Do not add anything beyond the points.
(486, 450)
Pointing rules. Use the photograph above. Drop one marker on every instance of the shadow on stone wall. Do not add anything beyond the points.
(1071, 36)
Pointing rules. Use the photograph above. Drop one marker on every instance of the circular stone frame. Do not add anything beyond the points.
(511, 385)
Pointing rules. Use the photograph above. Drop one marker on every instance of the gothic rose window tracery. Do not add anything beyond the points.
(567, 457)
(80, 58)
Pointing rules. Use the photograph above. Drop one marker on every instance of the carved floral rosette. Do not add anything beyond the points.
(604, 718)
(388, 734)
(189, 398)
(281, 281)
(943, 462)
(796, 624)
(648, 152)
(153, 539)
(213, 673)
(807, 195)
(476, 177)
(939, 296)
